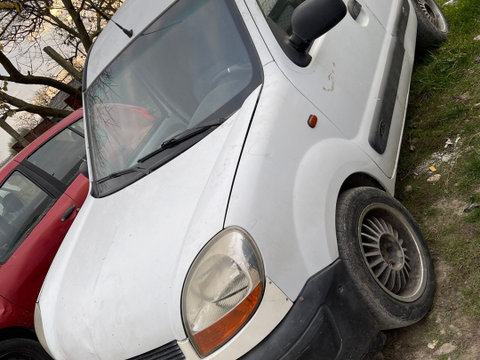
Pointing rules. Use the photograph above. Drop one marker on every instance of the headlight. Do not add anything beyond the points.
(222, 290)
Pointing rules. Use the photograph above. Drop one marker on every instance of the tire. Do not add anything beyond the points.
(385, 255)
(432, 25)
(22, 349)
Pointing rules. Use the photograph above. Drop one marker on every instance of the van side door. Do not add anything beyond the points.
(348, 78)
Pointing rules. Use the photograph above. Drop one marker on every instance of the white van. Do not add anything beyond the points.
(242, 157)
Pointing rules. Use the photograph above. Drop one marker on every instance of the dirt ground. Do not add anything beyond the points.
(450, 331)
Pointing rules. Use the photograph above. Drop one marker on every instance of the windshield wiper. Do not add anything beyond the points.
(180, 138)
(133, 169)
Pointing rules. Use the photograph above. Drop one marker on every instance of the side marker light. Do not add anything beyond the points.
(312, 121)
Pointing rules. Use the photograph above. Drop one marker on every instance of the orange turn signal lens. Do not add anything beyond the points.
(223, 330)
(312, 121)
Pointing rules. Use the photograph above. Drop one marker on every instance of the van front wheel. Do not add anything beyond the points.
(385, 255)
(432, 24)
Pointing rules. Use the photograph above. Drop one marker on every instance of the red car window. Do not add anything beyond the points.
(78, 126)
(22, 205)
(61, 156)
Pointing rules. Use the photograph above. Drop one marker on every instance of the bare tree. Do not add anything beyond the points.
(72, 26)
(11, 131)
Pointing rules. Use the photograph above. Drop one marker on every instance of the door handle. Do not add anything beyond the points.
(68, 213)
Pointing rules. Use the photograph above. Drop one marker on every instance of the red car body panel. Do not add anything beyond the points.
(78, 189)
(13, 316)
(22, 275)
(25, 270)
(7, 169)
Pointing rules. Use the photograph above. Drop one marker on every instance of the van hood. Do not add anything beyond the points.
(118, 276)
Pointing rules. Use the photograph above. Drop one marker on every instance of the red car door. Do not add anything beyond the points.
(41, 199)
(29, 251)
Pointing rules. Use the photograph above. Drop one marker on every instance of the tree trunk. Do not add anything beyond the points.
(77, 20)
(63, 63)
(11, 131)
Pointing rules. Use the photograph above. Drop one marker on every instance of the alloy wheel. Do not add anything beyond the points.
(392, 253)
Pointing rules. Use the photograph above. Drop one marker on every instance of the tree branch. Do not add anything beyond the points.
(24, 20)
(82, 32)
(4, 28)
(63, 63)
(35, 109)
(61, 24)
(100, 11)
(19, 78)
(9, 67)
(11, 131)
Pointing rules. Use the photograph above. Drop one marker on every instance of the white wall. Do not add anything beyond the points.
(4, 139)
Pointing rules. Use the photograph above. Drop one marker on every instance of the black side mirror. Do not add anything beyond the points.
(83, 169)
(310, 20)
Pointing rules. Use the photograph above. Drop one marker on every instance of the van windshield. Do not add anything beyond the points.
(193, 66)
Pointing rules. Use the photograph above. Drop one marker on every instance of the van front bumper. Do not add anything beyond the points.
(327, 321)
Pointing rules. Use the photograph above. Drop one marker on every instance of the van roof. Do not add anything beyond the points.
(133, 15)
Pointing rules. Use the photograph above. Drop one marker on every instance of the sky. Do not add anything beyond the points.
(26, 92)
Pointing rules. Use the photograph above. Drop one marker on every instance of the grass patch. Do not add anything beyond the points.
(474, 217)
(445, 104)
(469, 174)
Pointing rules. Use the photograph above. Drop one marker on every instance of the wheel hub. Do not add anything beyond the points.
(391, 252)
(384, 254)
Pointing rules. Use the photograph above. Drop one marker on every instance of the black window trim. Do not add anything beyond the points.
(53, 187)
(48, 183)
(72, 129)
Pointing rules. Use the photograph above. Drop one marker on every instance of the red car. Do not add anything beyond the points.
(41, 191)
